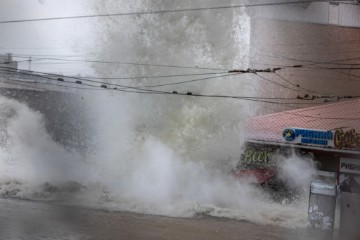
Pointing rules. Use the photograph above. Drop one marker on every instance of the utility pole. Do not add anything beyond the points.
(30, 63)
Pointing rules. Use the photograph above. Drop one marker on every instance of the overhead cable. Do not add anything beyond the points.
(129, 63)
(162, 11)
(147, 91)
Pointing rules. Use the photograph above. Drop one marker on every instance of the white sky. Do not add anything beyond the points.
(63, 37)
(76, 37)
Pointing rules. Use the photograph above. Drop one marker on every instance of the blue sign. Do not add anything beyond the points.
(308, 136)
(289, 134)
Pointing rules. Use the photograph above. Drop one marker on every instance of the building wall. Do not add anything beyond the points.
(349, 15)
(284, 43)
(345, 14)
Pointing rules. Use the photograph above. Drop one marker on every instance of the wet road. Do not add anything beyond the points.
(39, 220)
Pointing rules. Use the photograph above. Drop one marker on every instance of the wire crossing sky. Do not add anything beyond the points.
(162, 11)
(88, 84)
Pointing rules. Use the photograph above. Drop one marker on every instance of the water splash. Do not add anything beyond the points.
(154, 154)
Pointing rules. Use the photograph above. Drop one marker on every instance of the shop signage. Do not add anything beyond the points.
(257, 157)
(339, 138)
(350, 165)
(346, 139)
(308, 136)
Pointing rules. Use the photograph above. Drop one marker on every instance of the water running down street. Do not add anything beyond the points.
(45, 221)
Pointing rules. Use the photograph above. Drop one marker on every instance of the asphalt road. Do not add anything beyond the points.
(40, 220)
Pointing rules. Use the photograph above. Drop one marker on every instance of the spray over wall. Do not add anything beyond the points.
(131, 173)
(151, 153)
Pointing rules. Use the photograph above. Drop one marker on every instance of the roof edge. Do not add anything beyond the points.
(303, 146)
(302, 109)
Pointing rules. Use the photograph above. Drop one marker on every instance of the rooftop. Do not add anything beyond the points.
(345, 115)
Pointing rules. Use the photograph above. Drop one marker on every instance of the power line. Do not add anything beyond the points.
(347, 59)
(31, 73)
(327, 118)
(11, 81)
(310, 53)
(92, 87)
(278, 84)
(113, 84)
(130, 63)
(37, 48)
(48, 77)
(298, 88)
(334, 43)
(256, 99)
(144, 91)
(302, 76)
(149, 77)
(175, 66)
(142, 87)
(161, 11)
(304, 89)
(37, 56)
(150, 91)
(311, 62)
(317, 67)
(340, 72)
(229, 73)
(236, 71)
(189, 81)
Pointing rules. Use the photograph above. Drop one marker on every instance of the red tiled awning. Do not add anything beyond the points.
(332, 116)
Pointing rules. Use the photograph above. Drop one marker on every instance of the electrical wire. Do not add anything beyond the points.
(256, 99)
(318, 67)
(160, 65)
(49, 77)
(144, 91)
(309, 53)
(278, 84)
(128, 63)
(335, 43)
(10, 81)
(150, 77)
(84, 79)
(34, 48)
(254, 71)
(325, 118)
(142, 87)
(304, 89)
(190, 81)
(150, 91)
(311, 62)
(162, 11)
(35, 57)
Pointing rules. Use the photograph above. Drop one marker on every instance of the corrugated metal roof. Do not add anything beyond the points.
(269, 127)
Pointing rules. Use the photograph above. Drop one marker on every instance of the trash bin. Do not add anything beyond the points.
(322, 202)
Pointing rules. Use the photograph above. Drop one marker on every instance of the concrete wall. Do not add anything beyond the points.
(284, 43)
(345, 14)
